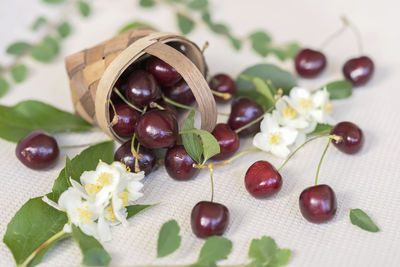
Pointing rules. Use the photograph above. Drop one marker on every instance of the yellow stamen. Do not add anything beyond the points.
(111, 215)
(85, 215)
(124, 197)
(288, 111)
(92, 188)
(328, 107)
(104, 178)
(274, 138)
(306, 103)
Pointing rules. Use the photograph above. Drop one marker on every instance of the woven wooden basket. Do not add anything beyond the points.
(94, 71)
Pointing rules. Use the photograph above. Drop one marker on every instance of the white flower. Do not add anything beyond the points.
(323, 111)
(274, 138)
(288, 116)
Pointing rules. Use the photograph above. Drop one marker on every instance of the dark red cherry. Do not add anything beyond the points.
(309, 63)
(318, 203)
(37, 150)
(180, 92)
(243, 111)
(352, 137)
(222, 83)
(167, 107)
(209, 218)
(142, 88)
(121, 86)
(178, 46)
(179, 164)
(228, 141)
(358, 70)
(262, 180)
(146, 163)
(157, 129)
(127, 119)
(163, 72)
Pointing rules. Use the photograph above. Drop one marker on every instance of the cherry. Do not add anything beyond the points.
(179, 164)
(222, 83)
(318, 203)
(243, 111)
(352, 137)
(309, 63)
(178, 46)
(262, 180)
(167, 107)
(142, 88)
(180, 92)
(228, 141)
(358, 70)
(121, 86)
(146, 163)
(157, 129)
(163, 72)
(127, 119)
(38, 150)
(209, 218)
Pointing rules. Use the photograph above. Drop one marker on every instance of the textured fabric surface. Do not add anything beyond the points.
(369, 180)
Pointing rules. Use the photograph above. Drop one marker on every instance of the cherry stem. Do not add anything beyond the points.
(320, 161)
(225, 96)
(202, 166)
(126, 101)
(334, 137)
(78, 146)
(205, 46)
(179, 105)
(133, 151)
(336, 34)
(210, 167)
(155, 105)
(356, 33)
(115, 118)
(137, 167)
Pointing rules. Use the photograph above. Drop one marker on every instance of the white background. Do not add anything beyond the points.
(369, 180)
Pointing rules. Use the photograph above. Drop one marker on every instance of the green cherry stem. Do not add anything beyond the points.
(82, 145)
(225, 96)
(133, 150)
(179, 105)
(155, 105)
(203, 166)
(126, 101)
(320, 161)
(336, 34)
(210, 167)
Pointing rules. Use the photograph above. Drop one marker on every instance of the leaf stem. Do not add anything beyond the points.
(126, 101)
(320, 161)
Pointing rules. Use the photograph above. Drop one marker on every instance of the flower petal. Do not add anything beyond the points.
(260, 140)
(280, 151)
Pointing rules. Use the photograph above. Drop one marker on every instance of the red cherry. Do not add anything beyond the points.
(222, 83)
(38, 150)
(179, 164)
(318, 203)
(262, 180)
(127, 119)
(243, 111)
(142, 88)
(352, 137)
(228, 141)
(163, 72)
(358, 70)
(180, 92)
(146, 163)
(157, 129)
(309, 63)
(209, 218)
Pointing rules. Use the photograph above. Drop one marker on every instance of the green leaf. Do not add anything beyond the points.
(53, 1)
(34, 224)
(265, 252)
(191, 141)
(292, 49)
(260, 42)
(19, 120)
(278, 77)
(147, 3)
(263, 88)
(4, 86)
(198, 4)
(18, 72)
(210, 144)
(185, 24)
(132, 25)
(339, 89)
(169, 239)
(64, 29)
(321, 129)
(38, 23)
(93, 252)
(362, 220)
(87, 160)
(236, 43)
(133, 210)
(215, 248)
(46, 51)
(18, 48)
(84, 8)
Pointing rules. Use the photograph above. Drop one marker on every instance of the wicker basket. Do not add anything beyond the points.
(93, 73)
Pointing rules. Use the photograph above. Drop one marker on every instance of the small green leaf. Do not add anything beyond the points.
(215, 248)
(133, 210)
(18, 72)
(185, 24)
(169, 239)
(38, 23)
(93, 252)
(260, 42)
(132, 25)
(147, 3)
(18, 48)
(198, 4)
(263, 88)
(292, 49)
(265, 252)
(64, 29)
(33, 224)
(210, 144)
(46, 50)
(53, 1)
(236, 43)
(191, 141)
(19, 120)
(4, 86)
(339, 89)
(321, 129)
(84, 8)
(362, 220)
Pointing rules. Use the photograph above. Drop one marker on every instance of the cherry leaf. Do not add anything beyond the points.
(321, 129)
(215, 248)
(18, 72)
(18, 48)
(265, 252)
(169, 239)
(4, 86)
(185, 24)
(134, 210)
(339, 89)
(191, 141)
(210, 144)
(362, 220)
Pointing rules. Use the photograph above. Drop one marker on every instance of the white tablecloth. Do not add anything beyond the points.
(369, 180)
